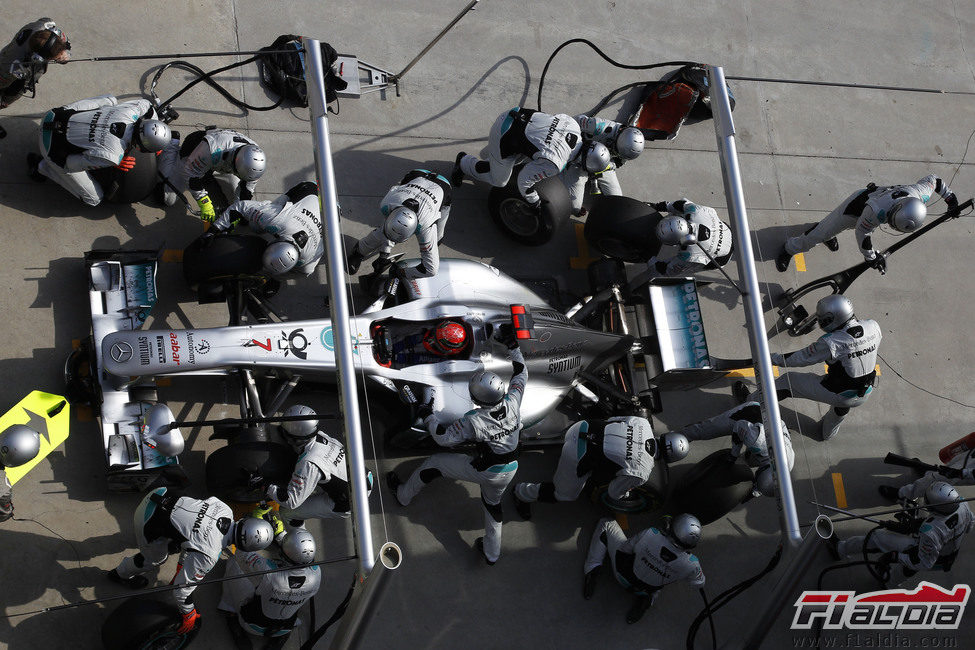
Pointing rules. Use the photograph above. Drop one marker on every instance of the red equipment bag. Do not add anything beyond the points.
(959, 446)
(664, 110)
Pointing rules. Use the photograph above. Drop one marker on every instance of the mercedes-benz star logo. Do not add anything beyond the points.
(121, 352)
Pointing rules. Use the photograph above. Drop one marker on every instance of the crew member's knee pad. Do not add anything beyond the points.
(841, 410)
(494, 511)
(139, 560)
(482, 167)
(428, 475)
(546, 493)
(782, 393)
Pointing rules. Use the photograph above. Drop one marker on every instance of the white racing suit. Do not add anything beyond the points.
(865, 210)
(713, 235)
(624, 443)
(934, 546)
(201, 155)
(545, 143)
(198, 530)
(267, 605)
(294, 216)
(964, 461)
(17, 65)
(644, 563)
(6, 491)
(86, 135)
(320, 465)
(576, 176)
(495, 433)
(428, 194)
(850, 354)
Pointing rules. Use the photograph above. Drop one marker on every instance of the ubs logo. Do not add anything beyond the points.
(121, 352)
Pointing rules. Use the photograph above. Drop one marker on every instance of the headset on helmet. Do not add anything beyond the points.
(50, 49)
(942, 498)
(249, 162)
(19, 444)
(280, 257)
(629, 143)
(486, 388)
(675, 446)
(908, 214)
(833, 312)
(299, 431)
(686, 530)
(670, 230)
(299, 547)
(153, 135)
(447, 338)
(400, 224)
(597, 158)
(252, 534)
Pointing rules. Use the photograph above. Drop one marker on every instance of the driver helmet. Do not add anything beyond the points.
(686, 530)
(671, 230)
(249, 162)
(486, 388)
(299, 432)
(299, 547)
(675, 446)
(629, 143)
(597, 158)
(19, 444)
(153, 135)
(253, 534)
(400, 224)
(941, 498)
(280, 257)
(908, 214)
(833, 312)
(447, 338)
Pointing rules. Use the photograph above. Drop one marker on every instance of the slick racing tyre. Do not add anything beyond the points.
(225, 258)
(527, 224)
(132, 186)
(623, 228)
(144, 623)
(713, 487)
(228, 469)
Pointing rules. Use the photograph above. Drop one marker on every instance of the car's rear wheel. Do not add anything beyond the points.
(623, 228)
(144, 623)
(228, 469)
(132, 186)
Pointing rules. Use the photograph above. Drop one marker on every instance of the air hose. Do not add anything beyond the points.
(208, 78)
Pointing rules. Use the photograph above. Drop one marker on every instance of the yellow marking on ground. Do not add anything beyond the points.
(749, 372)
(800, 262)
(75, 344)
(622, 521)
(172, 255)
(839, 489)
(877, 368)
(164, 381)
(583, 261)
(83, 414)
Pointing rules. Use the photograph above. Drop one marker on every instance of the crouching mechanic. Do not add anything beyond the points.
(646, 562)
(935, 544)
(267, 605)
(419, 205)
(321, 464)
(710, 247)
(849, 350)
(494, 428)
(744, 424)
(235, 157)
(292, 223)
(19, 444)
(199, 531)
(543, 143)
(618, 143)
(902, 206)
(624, 445)
(94, 134)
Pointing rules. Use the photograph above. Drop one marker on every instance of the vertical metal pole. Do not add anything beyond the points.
(724, 129)
(338, 301)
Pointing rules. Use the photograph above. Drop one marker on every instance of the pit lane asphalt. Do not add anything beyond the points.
(802, 149)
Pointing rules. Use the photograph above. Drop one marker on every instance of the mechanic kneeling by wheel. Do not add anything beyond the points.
(704, 240)
(199, 531)
(292, 223)
(625, 444)
(267, 605)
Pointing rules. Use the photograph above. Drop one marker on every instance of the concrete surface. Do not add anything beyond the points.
(802, 149)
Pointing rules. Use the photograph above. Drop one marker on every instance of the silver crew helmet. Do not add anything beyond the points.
(153, 135)
(686, 530)
(675, 446)
(19, 444)
(629, 143)
(400, 224)
(941, 498)
(299, 547)
(486, 388)
(833, 312)
(299, 431)
(908, 214)
(249, 162)
(253, 534)
(673, 229)
(597, 158)
(280, 257)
